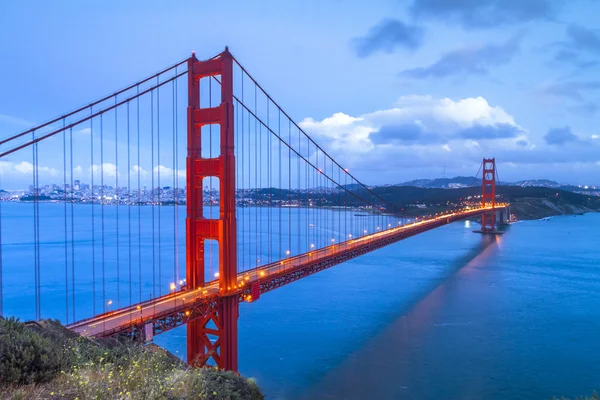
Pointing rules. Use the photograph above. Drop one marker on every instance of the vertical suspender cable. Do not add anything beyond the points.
(299, 229)
(72, 228)
(139, 197)
(1, 248)
(37, 232)
(270, 193)
(117, 200)
(93, 214)
(289, 184)
(152, 192)
(280, 193)
(104, 305)
(64, 189)
(129, 205)
(158, 173)
(241, 135)
(256, 206)
(210, 181)
(175, 196)
(34, 225)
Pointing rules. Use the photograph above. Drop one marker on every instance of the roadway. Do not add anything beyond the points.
(138, 314)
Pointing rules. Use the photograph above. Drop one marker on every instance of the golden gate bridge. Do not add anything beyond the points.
(230, 132)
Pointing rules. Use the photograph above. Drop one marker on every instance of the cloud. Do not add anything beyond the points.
(570, 90)
(482, 14)
(560, 136)
(85, 131)
(497, 131)
(387, 36)
(105, 170)
(582, 38)
(164, 172)
(415, 121)
(419, 134)
(167, 172)
(26, 168)
(400, 133)
(473, 60)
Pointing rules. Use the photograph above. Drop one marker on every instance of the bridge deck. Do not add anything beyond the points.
(177, 308)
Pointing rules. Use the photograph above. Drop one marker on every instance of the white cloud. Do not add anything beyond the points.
(9, 168)
(423, 133)
(164, 172)
(85, 131)
(416, 119)
(107, 170)
(167, 172)
(417, 126)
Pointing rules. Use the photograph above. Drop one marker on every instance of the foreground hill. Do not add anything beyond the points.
(47, 361)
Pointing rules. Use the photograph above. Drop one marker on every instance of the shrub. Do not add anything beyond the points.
(46, 360)
(27, 357)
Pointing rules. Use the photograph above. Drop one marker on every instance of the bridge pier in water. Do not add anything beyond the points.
(212, 339)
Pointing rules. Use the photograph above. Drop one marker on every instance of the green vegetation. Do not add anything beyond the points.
(47, 361)
(526, 202)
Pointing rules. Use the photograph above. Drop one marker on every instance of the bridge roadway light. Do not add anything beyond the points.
(108, 303)
(172, 287)
(287, 252)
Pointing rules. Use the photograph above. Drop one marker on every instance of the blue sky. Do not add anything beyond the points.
(396, 90)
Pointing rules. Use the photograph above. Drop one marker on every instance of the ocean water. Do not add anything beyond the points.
(446, 314)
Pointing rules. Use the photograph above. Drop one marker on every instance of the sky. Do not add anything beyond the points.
(394, 90)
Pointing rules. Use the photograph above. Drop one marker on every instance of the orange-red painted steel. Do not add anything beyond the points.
(488, 194)
(215, 335)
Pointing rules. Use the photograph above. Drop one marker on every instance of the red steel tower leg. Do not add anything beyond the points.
(214, 336)
(488, 194)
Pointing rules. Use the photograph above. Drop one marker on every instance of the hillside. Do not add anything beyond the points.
(526, 202)
(44, 360)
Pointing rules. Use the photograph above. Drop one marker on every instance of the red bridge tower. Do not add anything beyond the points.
(488, 195)
(213, 336)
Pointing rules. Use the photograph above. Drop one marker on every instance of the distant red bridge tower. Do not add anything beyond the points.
(488, 195)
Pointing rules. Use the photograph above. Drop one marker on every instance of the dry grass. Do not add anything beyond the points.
(112, 370)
